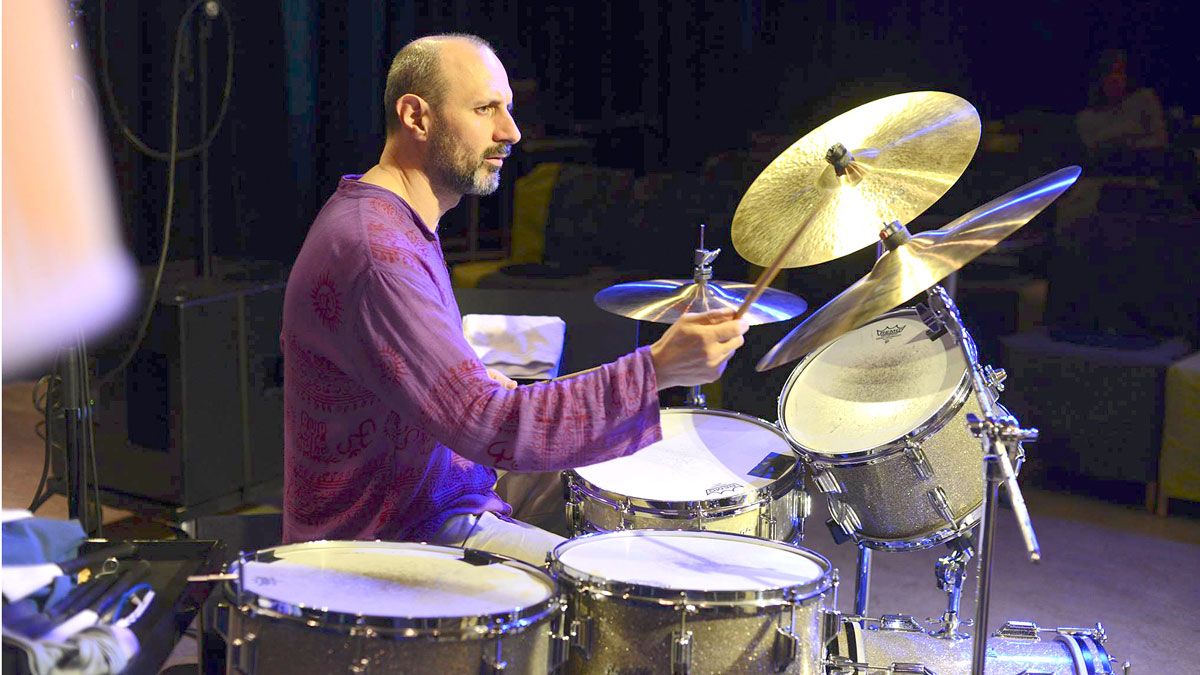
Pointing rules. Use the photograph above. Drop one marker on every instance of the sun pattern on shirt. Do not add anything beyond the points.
(327, 301)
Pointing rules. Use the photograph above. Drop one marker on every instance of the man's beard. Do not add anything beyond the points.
(457, 170)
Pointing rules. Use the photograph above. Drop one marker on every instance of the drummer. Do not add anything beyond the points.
(393, 428)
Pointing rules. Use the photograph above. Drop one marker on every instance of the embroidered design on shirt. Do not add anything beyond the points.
(327, 302)
(321, 383)
(384, 207)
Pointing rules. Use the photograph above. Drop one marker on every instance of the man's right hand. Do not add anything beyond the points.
(695, 349)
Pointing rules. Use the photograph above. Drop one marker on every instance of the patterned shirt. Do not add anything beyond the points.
(391, 424)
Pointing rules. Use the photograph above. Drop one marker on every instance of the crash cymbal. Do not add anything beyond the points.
(904, 152)
(918, 263)
(665, 300)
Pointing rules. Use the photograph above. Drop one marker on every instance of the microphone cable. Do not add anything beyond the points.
(172, 155)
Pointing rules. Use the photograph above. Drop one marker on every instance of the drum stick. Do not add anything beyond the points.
(576, 374)
(768, 275)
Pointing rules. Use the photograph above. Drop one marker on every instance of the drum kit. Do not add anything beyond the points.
(687, 556)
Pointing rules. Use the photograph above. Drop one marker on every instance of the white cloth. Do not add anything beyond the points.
(489, 533)
(521, 347)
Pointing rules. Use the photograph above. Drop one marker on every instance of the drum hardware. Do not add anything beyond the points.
(681, 641)
(919, 462)
(767, 522)
(827, 482)
(937, 499)
(997, 431)
(950, 571)
(583, 631)
(862, 581)
(844, 515)
(492, 664)
(626, 509)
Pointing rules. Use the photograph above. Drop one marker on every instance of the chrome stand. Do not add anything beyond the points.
(950, 571)
(701, 273)
(862, 581)
(999, 434)
(78, 440)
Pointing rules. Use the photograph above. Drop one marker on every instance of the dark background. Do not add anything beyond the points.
(659, 85)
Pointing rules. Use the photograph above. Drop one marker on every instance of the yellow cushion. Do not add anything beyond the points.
(531, 206)
(1179, 468)
(468, 274)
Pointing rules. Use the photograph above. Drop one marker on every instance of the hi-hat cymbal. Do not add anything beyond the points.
(665, 300)
(919, 263)
(905, 151)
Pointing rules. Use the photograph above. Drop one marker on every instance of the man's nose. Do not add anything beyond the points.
(506, 130)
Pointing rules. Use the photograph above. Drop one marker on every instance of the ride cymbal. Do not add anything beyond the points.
(665, 300)
(916, 264)
(884, 161)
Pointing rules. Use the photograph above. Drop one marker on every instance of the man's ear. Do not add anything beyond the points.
(414, 114)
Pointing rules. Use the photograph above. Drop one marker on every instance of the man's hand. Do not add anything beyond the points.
(500, 377)
(695, 349)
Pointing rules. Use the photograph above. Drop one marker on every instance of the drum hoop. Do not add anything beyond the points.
(739, 503)
(927, 539)
(755, 601)
(481, 627)
(878, 453)
(1096, 659)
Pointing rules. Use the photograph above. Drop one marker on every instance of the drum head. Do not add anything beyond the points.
(871, 386)
(676, 561)
(704, 455)
(391, 579)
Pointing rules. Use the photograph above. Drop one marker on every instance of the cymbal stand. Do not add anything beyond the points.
(78, 441)
(997, 431)
(701, 273)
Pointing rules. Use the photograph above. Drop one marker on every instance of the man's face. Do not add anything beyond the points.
(473, 129)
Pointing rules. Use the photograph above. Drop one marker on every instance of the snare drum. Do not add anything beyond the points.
(713, 470)
(880, 415)
(898, 644)
(691, 602)
(387, 607)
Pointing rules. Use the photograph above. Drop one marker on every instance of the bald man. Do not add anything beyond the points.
(393, 428)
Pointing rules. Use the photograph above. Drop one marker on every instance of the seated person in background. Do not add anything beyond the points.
(392, 426)
(1123, 127)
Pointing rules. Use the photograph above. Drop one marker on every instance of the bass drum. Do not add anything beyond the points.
(896, 644)
(713, 470)
(387, 607)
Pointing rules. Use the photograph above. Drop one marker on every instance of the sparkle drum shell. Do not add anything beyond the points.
(387, 607)
(880, 416)
(697, 602)
(713, 470)
(876, 648)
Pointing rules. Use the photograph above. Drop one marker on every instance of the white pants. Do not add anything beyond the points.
(489, 533)
(536, 498)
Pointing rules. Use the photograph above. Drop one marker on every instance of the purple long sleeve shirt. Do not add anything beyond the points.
(391, 424)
